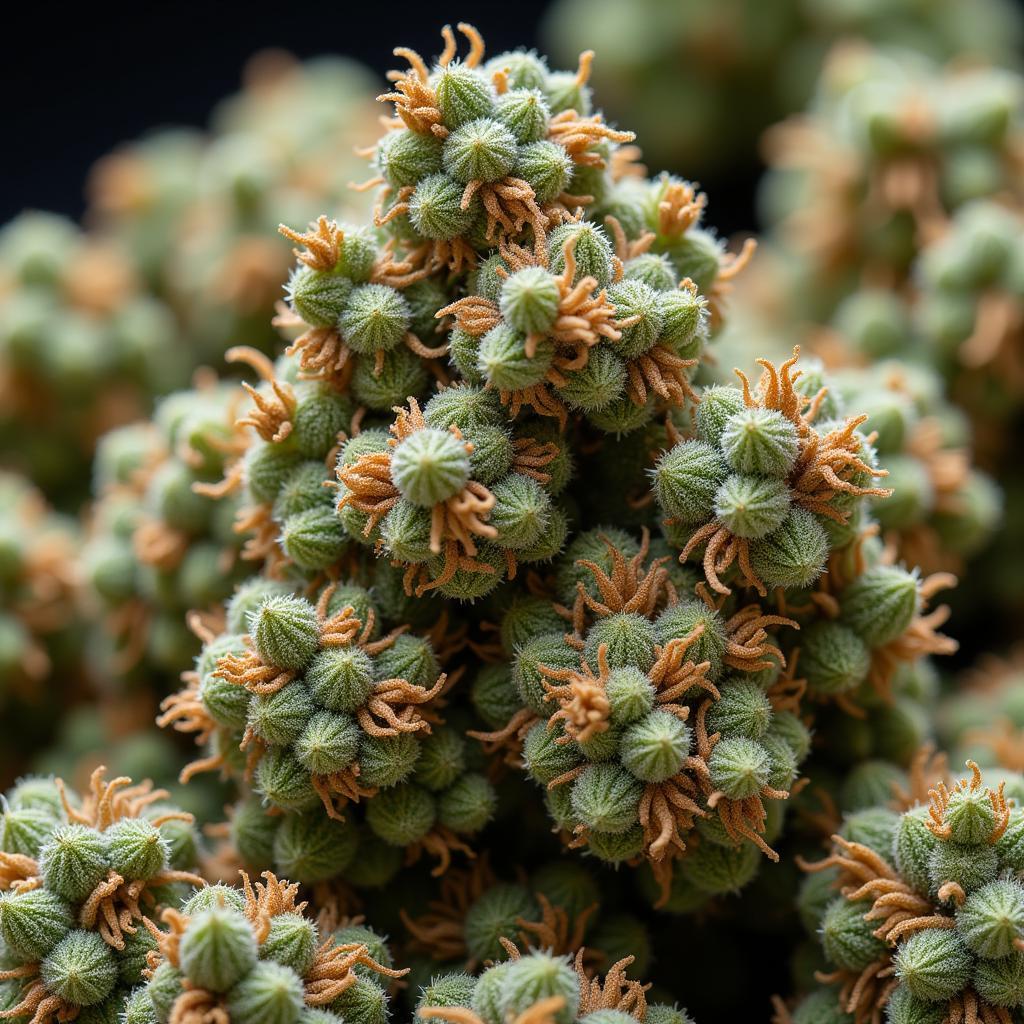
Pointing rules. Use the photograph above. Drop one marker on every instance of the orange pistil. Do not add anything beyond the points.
(333, 970)
(743, 819)
(321, 352)
(679, 208)
(927, 764)
(969, 1008)
(668, 811)
(996, 341)
(267, 899)
(37, 1005)
(901, 911)
(730, 266)
(461, 517)
(344, 627)
(940, 797)
(454, 254)
(261, 544)
(403, 272)
(626, 163)
(248, 670)
(746, 818)
(197, 1006)
(440, 932)
(615, 992)
(473, 314)
(338, 630)
(339, 789)
(273, 415)
(414, 98)
(537, 397)
(748, 647)
(324, 243)
(948, 469)
(531, 456)
(455, 523)
(107, 802)
(665, 373)
(391, 694)
(555, 932)
(629, 588)
(114, 904)
(418, 580)
(583, 318)
(369, 488)
(625, 249)
(167, 943)
(577, 135)
(866, 994)
(544, 1011)
(777, 390)
(825, 463)
(583, 702)
(674, 675)
(824, 467)
(723, 549)
(787, 692)
(510, 205)
(18, 872)
(864, 872)
(510, 738)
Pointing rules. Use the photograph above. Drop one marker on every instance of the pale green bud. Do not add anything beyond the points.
(752, 506)
(218, 949)
(933, 964)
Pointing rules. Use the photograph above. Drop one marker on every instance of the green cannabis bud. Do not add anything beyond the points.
(951, 940)
(254, 956)
(643, 719)
(79, 880)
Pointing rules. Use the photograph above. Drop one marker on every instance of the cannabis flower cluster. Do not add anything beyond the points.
(516, 656)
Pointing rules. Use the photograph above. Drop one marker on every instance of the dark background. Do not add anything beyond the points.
(81, 78)
(76, 80)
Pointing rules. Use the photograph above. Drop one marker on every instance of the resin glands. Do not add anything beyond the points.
(583, 328)
(78, 879)
(252, 955)
(759, 480)
(482, 152)
(320, 711)
(454, 495)
(540, 988)
(349, 295)
(652, 720)
(930, 915)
